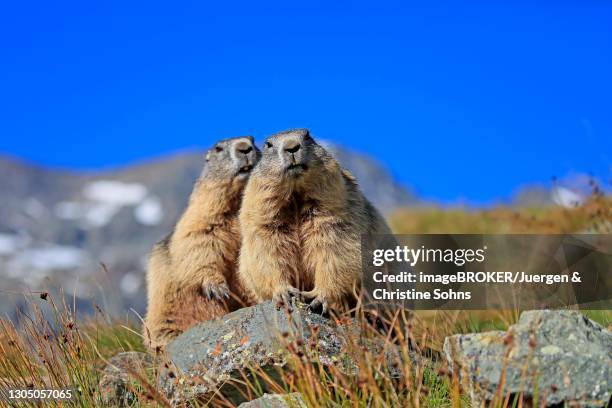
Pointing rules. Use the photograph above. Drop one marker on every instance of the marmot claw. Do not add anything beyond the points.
(316, 303)
(216, 291)
(283, 297)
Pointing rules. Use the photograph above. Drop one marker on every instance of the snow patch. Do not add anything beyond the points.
(149, 212)
(32, 265)
(9, 244)
(54, 257)
(114, 192)
(567, 198)
(100, 214)
(130, 283)
(104, 199)
(93, 214)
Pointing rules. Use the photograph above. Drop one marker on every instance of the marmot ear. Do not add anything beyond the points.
(207, 156)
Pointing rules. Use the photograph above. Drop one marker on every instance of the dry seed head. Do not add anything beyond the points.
(532, 342)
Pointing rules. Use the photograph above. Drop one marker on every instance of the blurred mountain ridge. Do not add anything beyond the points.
(58, 226)
(89, 232)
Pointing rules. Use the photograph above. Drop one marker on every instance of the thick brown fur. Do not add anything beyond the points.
(192, 273)
(302, 220)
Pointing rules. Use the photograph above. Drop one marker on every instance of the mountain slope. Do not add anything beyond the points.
(57, 227)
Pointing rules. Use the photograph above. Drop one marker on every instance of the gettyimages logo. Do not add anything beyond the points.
(488, 271)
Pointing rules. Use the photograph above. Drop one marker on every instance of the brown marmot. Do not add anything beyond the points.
(191, 275)
(302, 219)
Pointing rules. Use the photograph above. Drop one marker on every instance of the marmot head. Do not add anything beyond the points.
(292, 155)
(231, 160)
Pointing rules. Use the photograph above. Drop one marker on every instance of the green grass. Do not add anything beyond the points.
(595, 216)
(56, 350)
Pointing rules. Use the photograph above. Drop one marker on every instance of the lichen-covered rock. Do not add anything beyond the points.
(552, 356)
(209, 354)
(113, 388)
(293, 400)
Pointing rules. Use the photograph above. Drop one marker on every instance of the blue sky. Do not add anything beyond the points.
(460, 99)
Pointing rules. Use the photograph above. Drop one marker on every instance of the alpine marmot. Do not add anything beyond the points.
(192, 273)
(302, 220)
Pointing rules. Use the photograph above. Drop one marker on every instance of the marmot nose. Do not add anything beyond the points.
(243, 147)
(292, 146)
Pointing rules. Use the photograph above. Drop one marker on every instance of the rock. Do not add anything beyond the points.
(113, 388)
(293, 400)
(552, 356)
(209, 354)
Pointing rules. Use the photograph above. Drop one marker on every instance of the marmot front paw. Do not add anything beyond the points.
(317, 302)
(216, 291)
(283, 297)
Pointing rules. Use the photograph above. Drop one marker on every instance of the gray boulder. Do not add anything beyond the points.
(208, 355)
(293, 400)
(552, 356)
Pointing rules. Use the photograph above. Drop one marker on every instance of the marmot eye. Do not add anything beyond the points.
(268, 145)
(218, 149)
